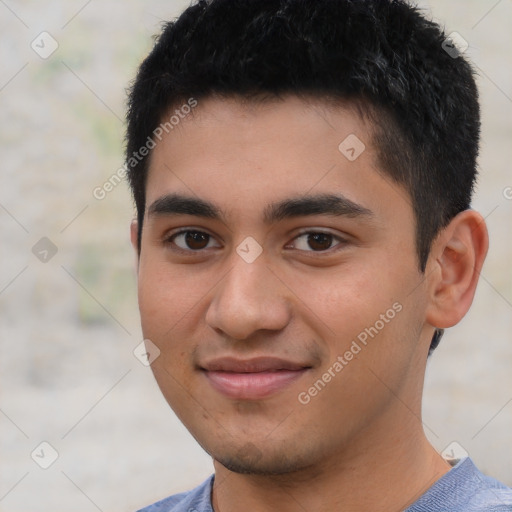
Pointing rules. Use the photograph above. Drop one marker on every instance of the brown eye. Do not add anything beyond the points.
(190, 240)
(316, 241)
(196, 240)
(320, 241)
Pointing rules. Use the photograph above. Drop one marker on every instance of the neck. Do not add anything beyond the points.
(375, 472)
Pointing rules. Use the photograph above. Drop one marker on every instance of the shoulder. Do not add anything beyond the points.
(465, 489)
(490, 495)
(195, 500)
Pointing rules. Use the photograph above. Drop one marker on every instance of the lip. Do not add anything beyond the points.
(252, 379)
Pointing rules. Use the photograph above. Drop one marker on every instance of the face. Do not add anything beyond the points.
(278, 278)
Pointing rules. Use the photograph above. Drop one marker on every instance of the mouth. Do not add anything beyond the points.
(252, 379)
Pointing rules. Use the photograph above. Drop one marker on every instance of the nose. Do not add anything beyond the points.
(249, 298)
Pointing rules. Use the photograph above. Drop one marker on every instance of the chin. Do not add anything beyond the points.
(250, 460)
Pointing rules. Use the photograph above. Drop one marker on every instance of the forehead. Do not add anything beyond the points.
(274, 111)
(246, 154)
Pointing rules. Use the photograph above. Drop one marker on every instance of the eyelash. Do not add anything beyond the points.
(169, 241)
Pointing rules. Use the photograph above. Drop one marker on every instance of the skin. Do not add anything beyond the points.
(359, 444)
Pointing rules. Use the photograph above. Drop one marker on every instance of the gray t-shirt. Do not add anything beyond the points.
(463, 489)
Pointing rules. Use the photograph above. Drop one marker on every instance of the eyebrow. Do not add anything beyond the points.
(308, 205)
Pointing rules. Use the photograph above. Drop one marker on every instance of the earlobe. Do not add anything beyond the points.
(458, 254)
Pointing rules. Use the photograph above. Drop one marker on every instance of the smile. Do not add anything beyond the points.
(252, 386)
(253, 379)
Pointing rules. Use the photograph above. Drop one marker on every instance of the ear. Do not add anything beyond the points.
(455, 261)
(134, 229)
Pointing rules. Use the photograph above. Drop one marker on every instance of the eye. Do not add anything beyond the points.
(190, 240)
(318, 241)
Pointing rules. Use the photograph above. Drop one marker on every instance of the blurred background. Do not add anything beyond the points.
(68, 311)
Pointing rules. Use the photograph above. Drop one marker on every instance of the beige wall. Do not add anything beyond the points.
(68, 326)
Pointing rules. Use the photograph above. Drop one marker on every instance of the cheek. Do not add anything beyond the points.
(364, 310)
(160, 299)
(165, 309)
(152, 302)
(345, 301)
(171, 303)
(163, 290)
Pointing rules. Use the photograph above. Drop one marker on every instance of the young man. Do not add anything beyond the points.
(302, 172)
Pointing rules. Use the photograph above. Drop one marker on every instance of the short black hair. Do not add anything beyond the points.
(383, 55)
